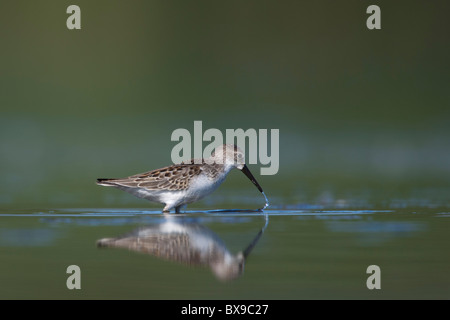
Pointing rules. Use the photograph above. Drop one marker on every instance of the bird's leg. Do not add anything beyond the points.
(178, 208)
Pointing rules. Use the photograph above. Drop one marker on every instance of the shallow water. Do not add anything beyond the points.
(291, 254)
(363, 152)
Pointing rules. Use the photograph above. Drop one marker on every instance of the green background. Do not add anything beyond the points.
(357, 109)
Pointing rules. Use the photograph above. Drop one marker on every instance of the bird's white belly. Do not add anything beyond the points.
(201, 186)
(162, 196)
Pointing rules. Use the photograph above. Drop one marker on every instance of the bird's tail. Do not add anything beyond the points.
(105, 182)
(105, 242)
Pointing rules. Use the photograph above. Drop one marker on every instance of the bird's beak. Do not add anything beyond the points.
(251, 177)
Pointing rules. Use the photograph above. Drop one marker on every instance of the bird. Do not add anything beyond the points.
(177, 185)
(186, 243)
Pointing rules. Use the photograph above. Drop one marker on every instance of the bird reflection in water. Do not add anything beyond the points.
(188, 243)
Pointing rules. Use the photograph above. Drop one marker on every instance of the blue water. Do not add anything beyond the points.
(294, 254)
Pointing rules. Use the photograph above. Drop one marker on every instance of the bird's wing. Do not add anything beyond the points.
(175, 177)
(170, 246)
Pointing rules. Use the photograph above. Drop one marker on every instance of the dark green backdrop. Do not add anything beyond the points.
(358, 110)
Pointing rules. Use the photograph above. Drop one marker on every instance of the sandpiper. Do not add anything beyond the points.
(186, 243)
(177, 185)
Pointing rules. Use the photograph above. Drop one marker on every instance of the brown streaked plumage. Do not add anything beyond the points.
(175, 177)
(185, 243)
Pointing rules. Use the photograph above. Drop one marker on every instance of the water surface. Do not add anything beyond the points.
(294, 254)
